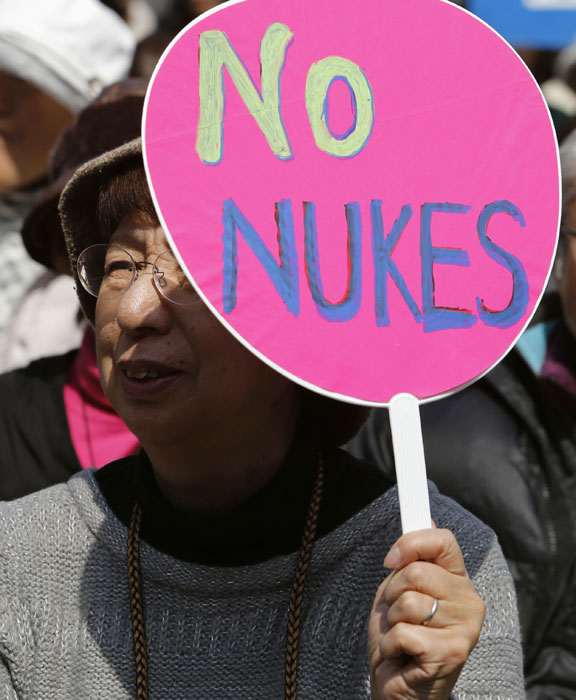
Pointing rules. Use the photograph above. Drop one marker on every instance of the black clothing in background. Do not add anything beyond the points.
(35, 445)
(505, 449)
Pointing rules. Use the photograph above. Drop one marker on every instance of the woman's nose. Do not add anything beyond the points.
(142, 309)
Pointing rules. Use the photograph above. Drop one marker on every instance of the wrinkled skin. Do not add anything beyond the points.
(217, 422)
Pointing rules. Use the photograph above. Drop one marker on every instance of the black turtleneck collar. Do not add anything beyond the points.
(267, 524)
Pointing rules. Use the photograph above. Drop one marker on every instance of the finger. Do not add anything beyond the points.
(429, 579)
(434, 545)
(426, 645)
(418, 609)
(409, 660)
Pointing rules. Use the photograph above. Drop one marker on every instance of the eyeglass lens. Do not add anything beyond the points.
(107, 271)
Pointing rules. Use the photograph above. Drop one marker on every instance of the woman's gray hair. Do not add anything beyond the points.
(568, 170)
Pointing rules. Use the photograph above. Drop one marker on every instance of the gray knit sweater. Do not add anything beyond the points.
(214, 633)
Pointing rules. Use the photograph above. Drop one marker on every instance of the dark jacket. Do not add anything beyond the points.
(35, 445)
(505, 448)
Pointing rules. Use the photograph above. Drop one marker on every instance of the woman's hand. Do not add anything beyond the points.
(411, 659)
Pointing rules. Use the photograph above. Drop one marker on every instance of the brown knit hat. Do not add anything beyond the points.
(114, 118)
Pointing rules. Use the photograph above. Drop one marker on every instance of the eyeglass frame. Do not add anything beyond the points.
(136, 270)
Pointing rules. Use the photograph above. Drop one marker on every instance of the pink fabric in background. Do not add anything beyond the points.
(98, 433)
(458, 118)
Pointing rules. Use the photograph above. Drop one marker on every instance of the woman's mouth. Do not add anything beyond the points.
(140, 380)
(141, 374)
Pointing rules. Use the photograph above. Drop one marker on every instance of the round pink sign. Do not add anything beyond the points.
(366, 194)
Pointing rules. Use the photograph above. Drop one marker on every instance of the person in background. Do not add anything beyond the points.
(559, 90)
(139, 15)
(505, 449)
(55, 57)
(54, 417)
(172, 16)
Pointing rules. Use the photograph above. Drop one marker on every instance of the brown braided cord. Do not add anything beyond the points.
(136, 608)
(297, 592)
(294, 609)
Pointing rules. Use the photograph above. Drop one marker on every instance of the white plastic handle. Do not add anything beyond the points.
(410, 463)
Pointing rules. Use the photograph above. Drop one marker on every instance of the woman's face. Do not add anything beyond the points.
(30, 123)
(173, 371)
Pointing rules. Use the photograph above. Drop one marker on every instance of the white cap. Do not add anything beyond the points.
(69, 49)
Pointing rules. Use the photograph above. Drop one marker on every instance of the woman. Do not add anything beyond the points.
(240, 555)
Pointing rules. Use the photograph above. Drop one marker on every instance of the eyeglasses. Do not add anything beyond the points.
(107, 271)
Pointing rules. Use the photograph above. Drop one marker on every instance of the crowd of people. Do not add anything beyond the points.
(179, 520)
